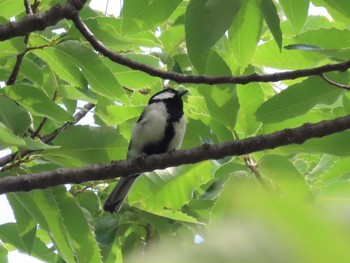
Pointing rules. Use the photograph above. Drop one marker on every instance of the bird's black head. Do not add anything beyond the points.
(167, 95)
(172, 100)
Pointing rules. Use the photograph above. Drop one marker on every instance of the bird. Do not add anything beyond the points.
(160, 128)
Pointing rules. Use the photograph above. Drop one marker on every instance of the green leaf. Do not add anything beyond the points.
(339, 9)
(172, 38)
(25, 222)
(170, 188)
(31, 71)
(245, 32)
(296, 12)
(201, 32)
(178, 216)
(297, 100)
(120, 114)
(281, 171)
(220, 99)
(89, 145)
(7, 138)
(73, 93)
(11, 47)
(41, 204)
(63, 67)
(14, 116)
(108, 31)
(37, 102)
(324, 38)
(135, 79)
(94, 70)
(9, 235)
(3, 254)
(331, 144)
(250, 97)
(141, 15)
(77, 226)
(267, 55)
(10, 8)
(36, 144)
(272, 19)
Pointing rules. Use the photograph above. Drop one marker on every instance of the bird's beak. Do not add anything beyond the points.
(180, 93)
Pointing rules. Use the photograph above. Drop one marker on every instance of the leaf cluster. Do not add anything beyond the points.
(60, 73)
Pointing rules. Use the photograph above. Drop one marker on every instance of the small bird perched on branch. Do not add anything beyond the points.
(160, 128)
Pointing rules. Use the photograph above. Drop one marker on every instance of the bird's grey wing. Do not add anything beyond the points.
(119, 193)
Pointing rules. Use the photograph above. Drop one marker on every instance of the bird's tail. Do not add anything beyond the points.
(120, 191)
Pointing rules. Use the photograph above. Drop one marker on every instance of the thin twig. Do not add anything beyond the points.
(253, 167)
(28, 7)
(44, 120)
(338, 85)
(47, 138)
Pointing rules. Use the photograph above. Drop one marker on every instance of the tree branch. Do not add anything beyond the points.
(200, 79)
(40, 21)
(194, 155)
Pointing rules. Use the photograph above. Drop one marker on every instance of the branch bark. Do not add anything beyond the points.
(40, 21)
(189, 156)
(201, 79)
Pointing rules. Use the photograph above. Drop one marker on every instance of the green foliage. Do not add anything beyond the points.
(282, 205)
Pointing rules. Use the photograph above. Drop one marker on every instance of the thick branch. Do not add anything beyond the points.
(40, 21)
(205, 152)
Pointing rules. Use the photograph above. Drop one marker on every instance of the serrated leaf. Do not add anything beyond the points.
(95, 71)
(77, 226)
(178, 216)
(35, 101)
(201, 32)
(24, 220)
(170, 188)
(9, 235)
(30, 70)
(63, 67)
(7, 138)
(89, 145)
(120, 114)
(297, 100)
(73, 93)
(42, 206)
(36, 144)
(272, 19)
(14, 116)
